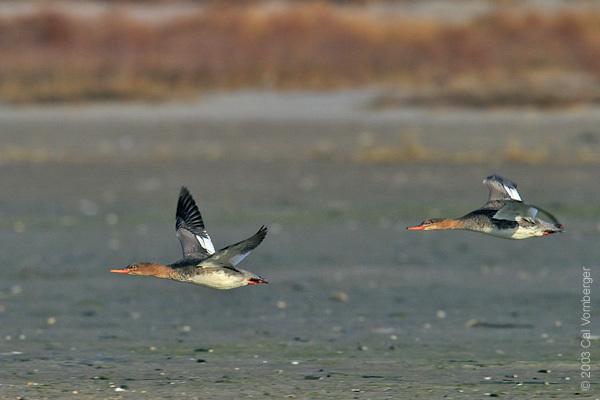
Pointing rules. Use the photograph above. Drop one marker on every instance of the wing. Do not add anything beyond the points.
(515, 210)
(501, 191)
(232, 255)
(546, 216)
(189, 228)
(501, 188)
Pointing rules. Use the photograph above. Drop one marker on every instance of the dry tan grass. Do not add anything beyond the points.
(19, 154)
(411, 150)
(503, 58)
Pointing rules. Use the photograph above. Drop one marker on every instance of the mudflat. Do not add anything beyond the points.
(357, 306)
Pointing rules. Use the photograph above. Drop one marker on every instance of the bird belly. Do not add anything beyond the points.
(218, 280)
(515, 233)
(524, 233)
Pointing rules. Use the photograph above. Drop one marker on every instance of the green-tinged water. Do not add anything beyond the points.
(357, 307)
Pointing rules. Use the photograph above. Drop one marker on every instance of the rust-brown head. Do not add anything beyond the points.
(436, 223)
(142, 268)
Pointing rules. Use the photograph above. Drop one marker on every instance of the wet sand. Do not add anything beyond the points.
(358, 307)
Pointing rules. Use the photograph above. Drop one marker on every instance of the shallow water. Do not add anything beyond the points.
(358, 307)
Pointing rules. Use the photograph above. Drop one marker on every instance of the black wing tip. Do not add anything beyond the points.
(258, 237)
(184, 192)
(501, 180)
(262, 232)
(187, 214)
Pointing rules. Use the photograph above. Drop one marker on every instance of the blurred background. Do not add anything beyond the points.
(335, 123)
(462, 52)
(162, 93)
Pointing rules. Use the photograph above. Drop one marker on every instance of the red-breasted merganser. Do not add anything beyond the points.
(504, 215)
(200, 264)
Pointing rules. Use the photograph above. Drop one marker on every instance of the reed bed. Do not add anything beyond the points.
(506, 57)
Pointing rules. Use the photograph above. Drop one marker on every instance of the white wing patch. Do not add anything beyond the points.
(512, 193)
(206, 243)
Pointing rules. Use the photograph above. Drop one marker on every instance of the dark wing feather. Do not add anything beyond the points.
(189, 228)
(231, 255)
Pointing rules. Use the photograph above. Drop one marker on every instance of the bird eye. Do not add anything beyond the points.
(133, 267)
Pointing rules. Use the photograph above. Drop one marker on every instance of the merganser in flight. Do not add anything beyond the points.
(200, 264)
(504, 215)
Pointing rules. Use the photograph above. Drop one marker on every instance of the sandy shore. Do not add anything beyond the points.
(357, 307)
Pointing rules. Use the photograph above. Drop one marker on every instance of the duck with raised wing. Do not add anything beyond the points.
(200, 264)
(504, 215)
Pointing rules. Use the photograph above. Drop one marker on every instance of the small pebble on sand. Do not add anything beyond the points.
(111, 219)
(339, 296)
(19, 227)
(282, 305)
